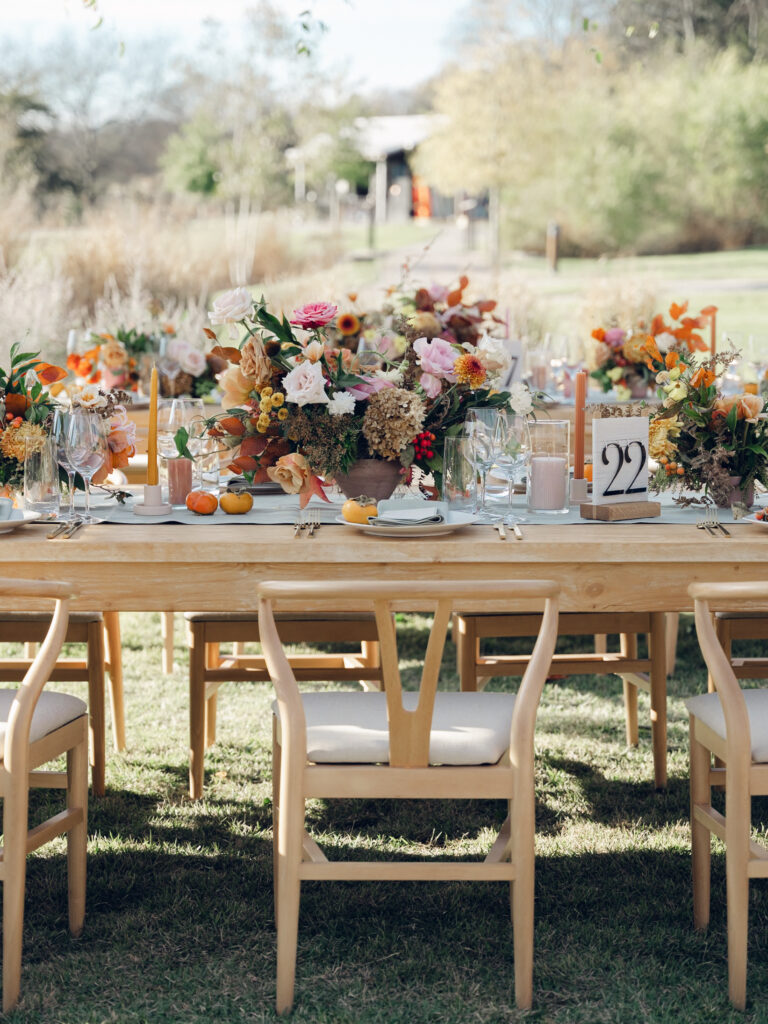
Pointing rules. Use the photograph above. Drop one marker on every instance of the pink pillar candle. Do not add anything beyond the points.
(548, 483)
(179, 480)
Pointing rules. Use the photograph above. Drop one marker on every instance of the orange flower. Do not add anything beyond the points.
(657, 325)
(348, 324)
(748, 407)
(599, 334)
(469, 370)
(703, 378)
(650, 346)
(352, 296)
(676, 311)
(671, 359)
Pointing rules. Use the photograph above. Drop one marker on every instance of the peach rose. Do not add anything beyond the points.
(748, 407)
(236, 388)
(292, 472)
(255, 363)
(122, 435)
(313, 351)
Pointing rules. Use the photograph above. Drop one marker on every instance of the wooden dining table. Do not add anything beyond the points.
(599, 566)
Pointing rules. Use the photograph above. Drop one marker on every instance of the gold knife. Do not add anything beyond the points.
(518, 531)
(502, 531)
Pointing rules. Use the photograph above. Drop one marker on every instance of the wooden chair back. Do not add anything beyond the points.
(708, 598)
(409, 730)
(36, 676)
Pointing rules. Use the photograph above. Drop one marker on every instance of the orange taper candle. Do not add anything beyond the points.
(580, 396)
(152, 437)
(713, 333)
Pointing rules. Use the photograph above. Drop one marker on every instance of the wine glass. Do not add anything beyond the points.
(59, 428)
(86, 448)
(512, 444)
(169, 367)
(172, 414)
(481, 428)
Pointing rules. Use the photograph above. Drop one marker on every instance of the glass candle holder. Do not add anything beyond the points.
(459, 475)
(41, 477)
(548, 466)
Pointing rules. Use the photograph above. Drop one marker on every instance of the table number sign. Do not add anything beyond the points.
(620, 470)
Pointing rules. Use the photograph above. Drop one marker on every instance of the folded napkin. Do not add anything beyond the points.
(408, 517)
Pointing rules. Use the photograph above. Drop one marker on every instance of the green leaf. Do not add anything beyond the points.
(181, 439)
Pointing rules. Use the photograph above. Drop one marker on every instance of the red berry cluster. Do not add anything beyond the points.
(422, 445)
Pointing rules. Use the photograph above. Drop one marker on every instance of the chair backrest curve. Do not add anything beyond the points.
(409, 730)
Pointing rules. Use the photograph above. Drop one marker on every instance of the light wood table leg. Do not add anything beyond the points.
(115, 658)
(96, 716)
(659, 698)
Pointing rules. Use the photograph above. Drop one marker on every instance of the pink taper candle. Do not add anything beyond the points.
(580, 395)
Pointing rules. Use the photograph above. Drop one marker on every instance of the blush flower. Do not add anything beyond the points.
(292, 472)
(368, 386)
(313, 315)
(231, 307)
(305, 385)
(436, 357)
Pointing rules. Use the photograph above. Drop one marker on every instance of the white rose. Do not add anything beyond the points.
(341, 404)
(494, 355)
(665, 341)
(231, 307)
(192, 361)
(305, 385)
(90, 397)
(520, 398)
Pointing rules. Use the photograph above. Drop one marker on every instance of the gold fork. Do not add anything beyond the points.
(299, 524)
(313, 521)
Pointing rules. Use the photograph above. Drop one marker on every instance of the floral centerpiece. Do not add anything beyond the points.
(298, 408)
(121, 431)
(25, 405)
(702, 440)
(618, 360)
(123, 360)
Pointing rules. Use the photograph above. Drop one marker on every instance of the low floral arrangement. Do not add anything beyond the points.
(297, 407)
(619, 361)
(120, 360)
(439, 312)
(25, 405)
(700, 439)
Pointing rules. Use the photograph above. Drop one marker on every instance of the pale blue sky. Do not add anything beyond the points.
(380, 43)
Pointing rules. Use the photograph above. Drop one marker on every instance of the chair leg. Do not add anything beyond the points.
(166, 628)
(289, 854)
(522, 900)
(701, 840)
(276, 756)
(467, 651)
(115, 658)
(723, 633)
(95, 654)
(658, 674)
(371, 658)
(14, 868)
(77, 837)
(212, 661)
(628, 649)
(737, 827)
(196, 710)
(673, 628)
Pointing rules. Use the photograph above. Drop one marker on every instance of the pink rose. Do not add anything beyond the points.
(436, 357)
(314, 314)
(614, 337)
(122, 432)
(369, 386)
(432, 385)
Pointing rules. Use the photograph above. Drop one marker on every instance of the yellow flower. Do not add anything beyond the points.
(623, 393)
(265, 405)
(277, 400)
(282, 414)
(263, 420)
(266, 392)
(13, 440)
(348, 324)
(260, 427)
(615, 373)
(661, 433)
(674, 373)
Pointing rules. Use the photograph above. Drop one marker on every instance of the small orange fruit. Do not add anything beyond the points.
(203, 503)
(235, 504)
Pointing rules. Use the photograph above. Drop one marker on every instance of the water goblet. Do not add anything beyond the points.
(481, 427)
(59, 428)
(512, 445)
(86, 445)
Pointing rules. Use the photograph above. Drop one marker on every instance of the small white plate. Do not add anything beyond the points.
(752, 519)
(456, 521)
(19, 519)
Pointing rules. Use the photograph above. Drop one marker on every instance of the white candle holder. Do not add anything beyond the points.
(153, 504)
(579, 491)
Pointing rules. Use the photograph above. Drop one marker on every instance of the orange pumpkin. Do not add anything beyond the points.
(236, 503)
(203, 503)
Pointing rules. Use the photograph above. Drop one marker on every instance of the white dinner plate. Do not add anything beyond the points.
(752, 519)
(20, 518)
(456, 521)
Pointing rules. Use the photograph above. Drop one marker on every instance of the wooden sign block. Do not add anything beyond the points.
(620, 460)
(624, 510)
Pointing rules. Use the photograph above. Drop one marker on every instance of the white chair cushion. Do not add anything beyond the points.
(708, 709)
(467, 728)
(53, 710)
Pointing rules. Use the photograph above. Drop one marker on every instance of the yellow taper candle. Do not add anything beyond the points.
(152, 438)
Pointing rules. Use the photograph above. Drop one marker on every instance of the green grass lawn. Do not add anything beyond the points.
(179, 924)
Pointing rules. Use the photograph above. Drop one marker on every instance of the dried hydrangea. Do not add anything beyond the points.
(392, 419)
(13, 440)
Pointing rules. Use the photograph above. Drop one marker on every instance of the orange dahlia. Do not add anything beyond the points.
(469, 370)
